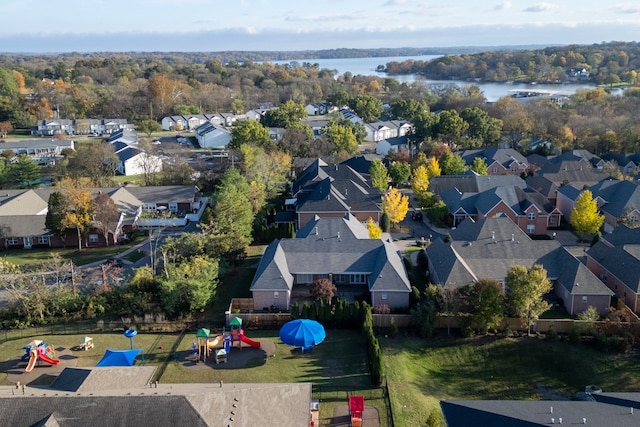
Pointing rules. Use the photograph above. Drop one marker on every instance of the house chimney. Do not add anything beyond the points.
(559, 420)
(338, 235)
(493, 237)
(513, 237)
(316, 231)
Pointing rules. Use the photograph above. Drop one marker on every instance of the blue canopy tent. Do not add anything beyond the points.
(303, 333)
(120, 357)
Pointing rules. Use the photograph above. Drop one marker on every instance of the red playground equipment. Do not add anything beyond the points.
(356, 408)
(237, 334)
(39, 351)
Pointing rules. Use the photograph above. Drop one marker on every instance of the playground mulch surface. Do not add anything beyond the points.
(42, 374)
(341, 417)
(236, 359)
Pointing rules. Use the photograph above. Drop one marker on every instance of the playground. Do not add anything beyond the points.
(337, 367)
(228, 349)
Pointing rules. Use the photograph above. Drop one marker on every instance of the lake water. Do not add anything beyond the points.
(368, 66)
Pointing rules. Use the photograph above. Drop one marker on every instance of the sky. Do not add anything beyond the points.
(54, 26)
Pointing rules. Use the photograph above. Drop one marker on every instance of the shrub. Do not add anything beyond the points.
(385, 223)
(551, 335)
(574, 336)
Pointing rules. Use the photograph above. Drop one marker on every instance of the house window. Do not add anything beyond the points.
(12, 241)
(93, 238)
(173, 206)
(531, 216)
(43, 240)
(531, 228)
(340, 278)
(276, 295)
(358, 279)
(149, 206)
(584, 299)
(494, 170)
(384, 296)
(305, 278)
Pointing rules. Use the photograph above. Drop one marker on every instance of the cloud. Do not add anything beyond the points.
(541, 7)
(503, 6)
(626, 9)
(325, 18)
(396, 2)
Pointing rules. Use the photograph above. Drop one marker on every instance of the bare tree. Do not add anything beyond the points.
(323, 289)
(105, 215)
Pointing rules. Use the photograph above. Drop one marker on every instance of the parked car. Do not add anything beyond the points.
(416, 215)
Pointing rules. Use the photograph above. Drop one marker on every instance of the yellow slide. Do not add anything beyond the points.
(32, 362)
(214, 343)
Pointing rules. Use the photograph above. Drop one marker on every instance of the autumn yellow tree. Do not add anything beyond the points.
(395, 205)
(433, 168)
(78, 215)
(375, 232)
(585, 217)
(420, 182)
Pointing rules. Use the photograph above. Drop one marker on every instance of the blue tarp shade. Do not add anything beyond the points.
(119, 357)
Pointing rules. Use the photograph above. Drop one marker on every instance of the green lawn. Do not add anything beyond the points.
(423, 372)
(337, 368)
(85, 256)
(150, 343)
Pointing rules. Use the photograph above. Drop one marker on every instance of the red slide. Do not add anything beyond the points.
(252, 343)
(47, 359)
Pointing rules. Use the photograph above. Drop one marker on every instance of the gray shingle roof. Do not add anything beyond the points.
(527, 413)
(472, 183)
(333, 250)
(621, 261)
(490, 247)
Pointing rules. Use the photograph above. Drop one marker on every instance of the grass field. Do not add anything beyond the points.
(150, 343)
(85, 256)
(423, 372)
(337, 368)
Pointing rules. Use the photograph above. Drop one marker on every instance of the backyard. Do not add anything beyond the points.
(337, 368)
(422, 372)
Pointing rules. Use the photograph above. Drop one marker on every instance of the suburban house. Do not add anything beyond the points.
(50, 127)
(378, 131)
(555, 174)
(333, 191)
(209, 135)
(317, 109)
(488, 248)
(23, 213)
(350, 115)
(42, 151)
(126, 136)
(471, 182)
(318, 127)
(338, 249)
(133, 160)
(602, 409)
(618, 201)
(529, 210)
(616, 261)
(500, 161)
(626, 163)
(395, 144)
